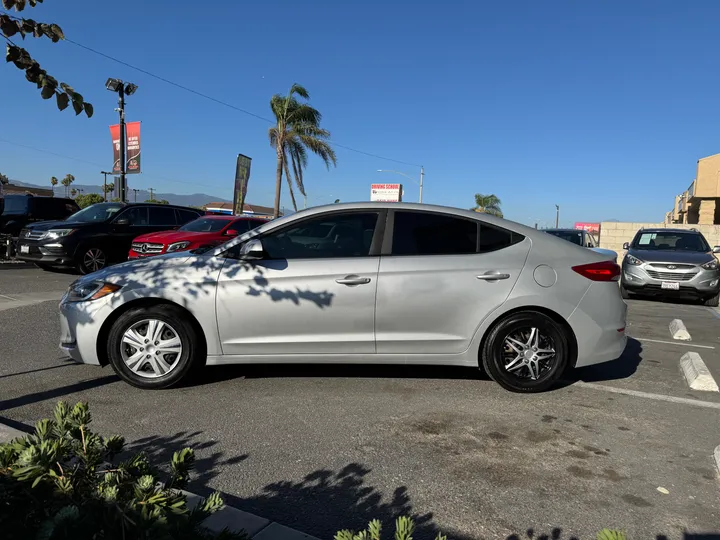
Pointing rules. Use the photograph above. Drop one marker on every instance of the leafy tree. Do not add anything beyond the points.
(73, 192)
(60, 483)
(297, 130)
(53, 183)
(10, 26)
(109, 188)
(489, 204)
(85, 200)
(69, 179)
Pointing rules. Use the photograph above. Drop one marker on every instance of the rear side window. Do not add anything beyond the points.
(162, 216)
(494, 238)
(184, 216)
(420, 233)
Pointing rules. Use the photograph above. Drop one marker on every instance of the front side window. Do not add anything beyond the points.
(671, 241)
(420, 233)
(160, 216)
(205, 225)
(137, 216)
(347, 235)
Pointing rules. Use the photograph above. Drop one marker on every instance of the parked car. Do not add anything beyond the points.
(389, 283)
(21, 210)
(202, 233)
(671, 263)
(582, 238)
(98, 235)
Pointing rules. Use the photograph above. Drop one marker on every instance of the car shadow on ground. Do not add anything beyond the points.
(622, 368)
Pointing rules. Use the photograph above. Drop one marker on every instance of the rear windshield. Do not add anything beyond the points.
(205, 225)
(16, 204)
(96, 212)
(571, 236)
(671, 241)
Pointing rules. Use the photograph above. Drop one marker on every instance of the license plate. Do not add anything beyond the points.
(672, 285)
(24, 249)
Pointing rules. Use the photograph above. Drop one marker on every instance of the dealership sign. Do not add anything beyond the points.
(386, 192)
(132, 147)
(242, 177)
(592, 228)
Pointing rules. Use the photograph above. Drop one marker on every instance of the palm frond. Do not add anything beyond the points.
(310, 130)
(297, 168)
(273, 136)
(320, 148)
(299, 90)
(304, 114)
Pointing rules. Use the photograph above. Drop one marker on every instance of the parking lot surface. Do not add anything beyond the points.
(320, 448)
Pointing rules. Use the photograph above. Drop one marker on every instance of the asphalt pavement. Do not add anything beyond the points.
(320, 448)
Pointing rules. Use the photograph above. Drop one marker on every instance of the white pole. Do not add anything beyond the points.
(422, 175)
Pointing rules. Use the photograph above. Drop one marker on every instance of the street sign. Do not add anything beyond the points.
(386, 192)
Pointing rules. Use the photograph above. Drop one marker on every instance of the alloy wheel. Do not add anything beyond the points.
(528, 353)
(151, 348)
(94, 259)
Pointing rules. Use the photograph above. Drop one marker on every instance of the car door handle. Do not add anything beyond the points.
(493, 276)
(353, 280)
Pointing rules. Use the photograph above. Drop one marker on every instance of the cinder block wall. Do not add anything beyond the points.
(614, 234)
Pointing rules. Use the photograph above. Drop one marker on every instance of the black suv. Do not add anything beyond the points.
(21, 210)
(98, 235)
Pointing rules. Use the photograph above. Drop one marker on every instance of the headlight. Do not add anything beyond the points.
(57, 233)
(91, 290)
(633, 260)
(177, 246)
(712, 265)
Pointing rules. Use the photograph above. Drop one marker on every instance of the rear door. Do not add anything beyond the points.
(118, 244)
(440, 275)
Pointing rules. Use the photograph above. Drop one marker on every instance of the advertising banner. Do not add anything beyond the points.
(386, 192)
(592, 228)
(242, 177)
(115, 135)
(132, 147)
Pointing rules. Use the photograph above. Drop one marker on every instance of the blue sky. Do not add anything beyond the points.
(601, 107)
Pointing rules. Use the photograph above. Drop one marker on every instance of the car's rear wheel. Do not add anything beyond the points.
(91, 259)
(713, 301)
(526, 352)
(154, 347)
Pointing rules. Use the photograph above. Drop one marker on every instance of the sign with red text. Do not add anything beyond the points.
(115, 136)
(132, 147)
(592, 228)
(386, 192)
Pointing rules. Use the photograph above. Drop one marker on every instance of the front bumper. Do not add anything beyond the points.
(80, 325)
(696, 282)
(53, 254)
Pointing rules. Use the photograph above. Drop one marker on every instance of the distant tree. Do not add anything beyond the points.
(109, 188)
(53, 183)
(85, 200)
(488, 204)
(48, 86)
(155, 201)
(337, 201)
(69, 179)
(4, 179)
(73, 192)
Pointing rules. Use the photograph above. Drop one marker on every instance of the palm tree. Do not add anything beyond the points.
(297, 131)
(53, 183)
(69, 179)
(488, 204)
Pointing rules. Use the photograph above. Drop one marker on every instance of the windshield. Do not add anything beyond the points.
(96, 212)
(16, 204)
(571, 236)
(205, 225)
(671, 241)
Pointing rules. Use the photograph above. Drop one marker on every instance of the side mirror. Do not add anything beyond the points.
(626, 245)
(122, 222)
(716, 249)
(231, 232)
(253, 249)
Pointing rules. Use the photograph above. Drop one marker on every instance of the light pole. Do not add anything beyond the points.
(122, 89)
(105, 173)
(422, 177)
(557, 216)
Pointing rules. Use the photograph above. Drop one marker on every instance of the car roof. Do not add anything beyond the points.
(668, 229)
(162, 206)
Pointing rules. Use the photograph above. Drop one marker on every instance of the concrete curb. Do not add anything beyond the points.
(258, 528)
(678, 330)
(696, 373)
(716, 455)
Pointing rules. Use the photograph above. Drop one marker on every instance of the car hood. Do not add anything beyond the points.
(670, 256)
(47, 225)
(161, 267)
(169, 237)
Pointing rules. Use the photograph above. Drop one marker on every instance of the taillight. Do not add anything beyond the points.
(599, 271)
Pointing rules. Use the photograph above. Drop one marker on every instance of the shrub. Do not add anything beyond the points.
(61, 483)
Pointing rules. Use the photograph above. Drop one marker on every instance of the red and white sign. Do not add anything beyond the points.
(592, 228)
(386, 192)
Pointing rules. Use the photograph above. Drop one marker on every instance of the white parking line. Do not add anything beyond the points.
(696, 373)
(672, 343)
(678, 330)
(29, 299)
(647, 395)
(716, 455)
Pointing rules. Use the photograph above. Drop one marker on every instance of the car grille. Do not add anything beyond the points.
(143, 247)
(31, 235)
(672, 266)
(671, 276)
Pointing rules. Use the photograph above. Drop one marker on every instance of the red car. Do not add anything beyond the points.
(204, 232)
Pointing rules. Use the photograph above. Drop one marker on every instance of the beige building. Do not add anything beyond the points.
(700, 203)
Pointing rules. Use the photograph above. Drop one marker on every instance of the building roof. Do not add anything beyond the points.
(12, 189)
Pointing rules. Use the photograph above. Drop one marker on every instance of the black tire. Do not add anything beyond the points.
(90, 259)
(192, 354)
(494, 350)
(713, 301)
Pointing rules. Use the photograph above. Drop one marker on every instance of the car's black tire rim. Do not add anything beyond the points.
(528, 354)
(94, 260)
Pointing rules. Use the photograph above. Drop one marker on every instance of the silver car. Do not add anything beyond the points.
(671, 263)
(368, 283)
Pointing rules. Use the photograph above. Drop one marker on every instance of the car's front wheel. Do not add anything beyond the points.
(91, 259)
(526, 352)
(154, 347)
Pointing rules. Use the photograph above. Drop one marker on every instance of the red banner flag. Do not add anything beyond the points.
(132, 136)
(115, 135)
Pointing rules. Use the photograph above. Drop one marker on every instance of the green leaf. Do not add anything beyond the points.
(67, 88)
(47, 92)
(8, 26)
(19, 5)
(609, 534)
(77, 106)
(8, 4)
(63, 100)
(89, 111)
(12, 53)
(57, 31)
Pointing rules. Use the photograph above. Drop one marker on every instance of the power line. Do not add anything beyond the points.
(220, 102)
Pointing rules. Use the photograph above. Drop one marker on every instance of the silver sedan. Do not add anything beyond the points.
(356, 283)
